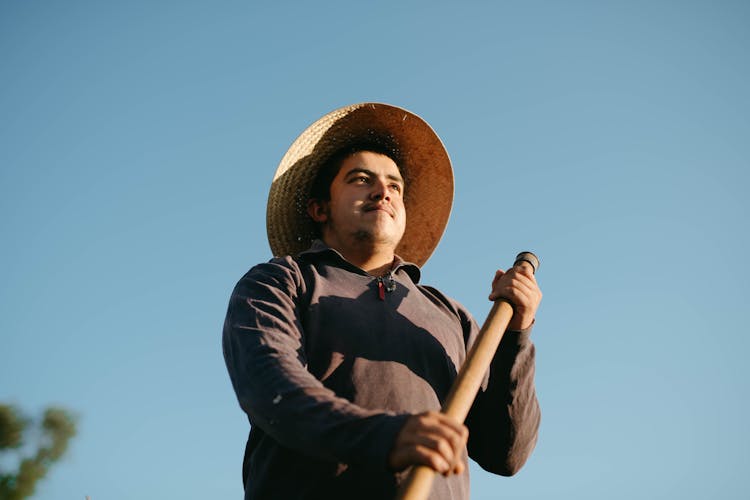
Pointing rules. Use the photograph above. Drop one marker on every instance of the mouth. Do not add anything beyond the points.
(378, 208)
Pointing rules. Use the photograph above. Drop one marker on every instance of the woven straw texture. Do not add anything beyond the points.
(428, 198)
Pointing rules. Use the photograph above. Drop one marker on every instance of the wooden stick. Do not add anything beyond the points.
(461, 396)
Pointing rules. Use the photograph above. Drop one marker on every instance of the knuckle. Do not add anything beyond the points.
(444, 445)
(423, 418)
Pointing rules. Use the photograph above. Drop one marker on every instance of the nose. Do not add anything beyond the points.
(380, 190)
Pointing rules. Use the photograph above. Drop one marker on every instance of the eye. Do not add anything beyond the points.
(396, 187)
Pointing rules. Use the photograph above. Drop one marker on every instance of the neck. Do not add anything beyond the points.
(372, 258)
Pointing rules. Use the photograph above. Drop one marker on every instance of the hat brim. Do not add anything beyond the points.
(429, 195)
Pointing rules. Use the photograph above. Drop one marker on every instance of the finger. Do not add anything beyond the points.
(524, 273)
(405, 455)
(436, 422)
(525, 270)
(458, 468)
(443, 434)
(523, 287)
(513, 283)
(524, 298)
(458, 434)
(438, 455)
(525, 267)
(498, 274)
(450, 422)
(448, 443)
(514, 276)
(420, 455)
(431, 439)
(512, 288)
(427, 456)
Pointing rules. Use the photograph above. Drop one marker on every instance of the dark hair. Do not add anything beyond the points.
(385, 145)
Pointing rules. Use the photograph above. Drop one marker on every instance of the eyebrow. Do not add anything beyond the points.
(360, 170)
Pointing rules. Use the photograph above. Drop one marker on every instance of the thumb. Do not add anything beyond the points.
(498, 274)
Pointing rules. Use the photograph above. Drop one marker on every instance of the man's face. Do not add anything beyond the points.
(366, 203)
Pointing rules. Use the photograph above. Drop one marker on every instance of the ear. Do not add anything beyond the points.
(317, 210)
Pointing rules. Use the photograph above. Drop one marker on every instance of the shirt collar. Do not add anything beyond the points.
(319, 247)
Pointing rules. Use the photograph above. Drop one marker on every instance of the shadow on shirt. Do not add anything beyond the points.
(380, 353)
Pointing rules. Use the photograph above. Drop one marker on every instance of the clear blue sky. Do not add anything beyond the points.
(138, 141)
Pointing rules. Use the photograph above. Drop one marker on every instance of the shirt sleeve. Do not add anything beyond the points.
(504, 419)
(263, 343)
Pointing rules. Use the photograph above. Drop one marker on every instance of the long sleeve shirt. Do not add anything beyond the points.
(328, 362)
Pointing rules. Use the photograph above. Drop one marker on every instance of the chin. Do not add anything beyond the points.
(378, 238)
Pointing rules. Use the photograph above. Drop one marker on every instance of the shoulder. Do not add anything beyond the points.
(282, 273)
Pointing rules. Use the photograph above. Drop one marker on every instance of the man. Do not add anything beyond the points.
(340, 359)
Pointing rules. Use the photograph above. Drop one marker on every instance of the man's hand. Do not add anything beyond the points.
(518, 286)
(432, 439)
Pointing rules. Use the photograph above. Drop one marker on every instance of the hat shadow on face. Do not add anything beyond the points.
(430, 191)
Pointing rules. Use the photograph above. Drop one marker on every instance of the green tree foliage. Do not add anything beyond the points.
(49, 444)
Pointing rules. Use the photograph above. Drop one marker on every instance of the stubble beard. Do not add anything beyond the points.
(361, 235)
(365, 236)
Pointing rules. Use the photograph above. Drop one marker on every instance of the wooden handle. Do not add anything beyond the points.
(461, 396)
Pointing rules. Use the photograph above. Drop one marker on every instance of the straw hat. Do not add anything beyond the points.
(429, 193)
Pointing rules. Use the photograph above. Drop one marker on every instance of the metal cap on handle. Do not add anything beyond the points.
(529, 257)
